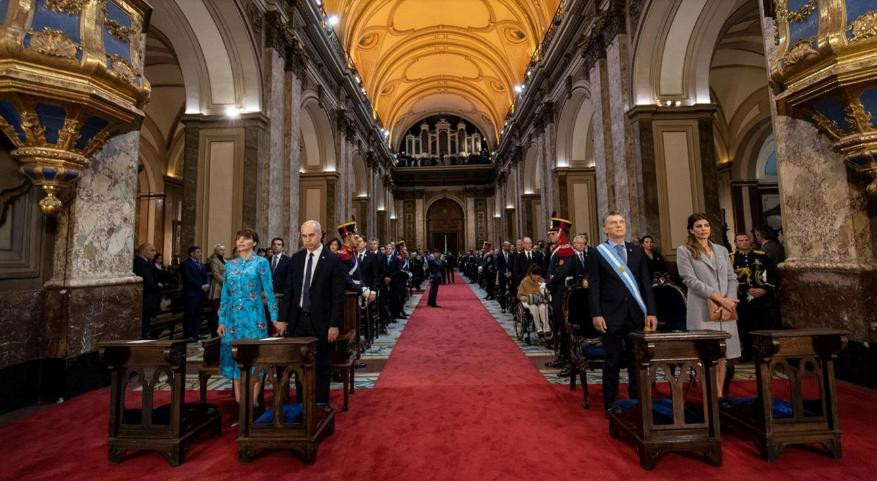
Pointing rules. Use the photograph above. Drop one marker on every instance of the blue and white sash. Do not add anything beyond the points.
(623, 273)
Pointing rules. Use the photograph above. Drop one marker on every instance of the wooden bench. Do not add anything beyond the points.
(342, 360)
(299, 426)
(775, 419)
(656, 424)
(209, 365)
(167, 428)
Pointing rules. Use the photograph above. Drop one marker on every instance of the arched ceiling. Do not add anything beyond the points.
(423, 57)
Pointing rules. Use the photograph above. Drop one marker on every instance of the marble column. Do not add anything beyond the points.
(295, 65)
(244, 140)
(270, 198)
(674, 151)
(93, 295)
(603, 147)
(829, 230)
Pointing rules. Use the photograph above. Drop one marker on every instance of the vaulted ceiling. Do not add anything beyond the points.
(423, 57)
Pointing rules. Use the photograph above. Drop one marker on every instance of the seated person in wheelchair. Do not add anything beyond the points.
(534, 297)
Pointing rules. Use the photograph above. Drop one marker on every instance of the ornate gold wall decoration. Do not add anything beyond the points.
(70, 7)
(57, 105)
(864, 27)
(53, 42)
(800, 51)
(823, 72)
(798, 15)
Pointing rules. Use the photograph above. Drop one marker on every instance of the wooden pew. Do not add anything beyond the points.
(773, 422)
(209, 365)
(344, 352)
(299, 426)
(167, 428)
(678, 423)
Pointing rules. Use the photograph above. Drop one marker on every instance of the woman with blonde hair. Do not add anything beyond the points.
(217, 277)
(706, 270)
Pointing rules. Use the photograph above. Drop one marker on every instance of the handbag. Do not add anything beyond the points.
(719, 313)
(716, 311)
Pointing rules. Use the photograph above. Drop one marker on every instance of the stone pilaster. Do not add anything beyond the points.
(603, 149)
(271, 205)
(295, 64)
(93, 294)
(828, 226)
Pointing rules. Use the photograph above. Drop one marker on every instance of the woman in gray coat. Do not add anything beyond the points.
(706, 270)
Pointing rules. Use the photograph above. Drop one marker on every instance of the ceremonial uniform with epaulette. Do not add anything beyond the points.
(754, 271)
(560, 267)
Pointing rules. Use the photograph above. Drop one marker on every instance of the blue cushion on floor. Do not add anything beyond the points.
(594, 352)
(781, 408)
(291, 414)
(662, 410)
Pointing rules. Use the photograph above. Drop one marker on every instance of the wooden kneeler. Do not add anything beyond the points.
(168, 428)
(790, 357)
(656, 426)
(300, 426)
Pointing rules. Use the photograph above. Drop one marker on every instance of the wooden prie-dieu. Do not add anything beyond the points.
(796, 401)
(346, 348)
(686, 417)
(167, 428)
(299, 426)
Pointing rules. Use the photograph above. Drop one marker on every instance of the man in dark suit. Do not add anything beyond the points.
(503, 271)
(151, 287)
(616, 310)
(581, 252)
(524, 260)
(436, 268)
(195, 285)
(313, 300)
(279, 264)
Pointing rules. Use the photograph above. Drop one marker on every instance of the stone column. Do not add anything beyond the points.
(603, 148)
(270, 199)
(675, 153)
(296, 65)
(93, 294)
(235, 146)
(829, 278)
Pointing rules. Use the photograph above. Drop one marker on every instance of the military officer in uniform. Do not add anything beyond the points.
(756, 281)
(561, 267)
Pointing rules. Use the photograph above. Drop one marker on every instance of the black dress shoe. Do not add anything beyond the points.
(565, 372)
(611, 410)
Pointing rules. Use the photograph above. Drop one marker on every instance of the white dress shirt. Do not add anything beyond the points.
(316, 252)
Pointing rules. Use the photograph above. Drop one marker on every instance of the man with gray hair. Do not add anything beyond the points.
(313, 300)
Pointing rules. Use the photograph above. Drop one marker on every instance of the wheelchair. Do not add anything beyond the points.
(524, 323)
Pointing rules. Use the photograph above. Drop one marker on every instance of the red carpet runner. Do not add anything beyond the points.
(457, 400)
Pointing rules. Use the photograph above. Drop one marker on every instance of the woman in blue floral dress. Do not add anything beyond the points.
(241, 311)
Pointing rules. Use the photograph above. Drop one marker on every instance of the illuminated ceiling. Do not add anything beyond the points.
(423, 57)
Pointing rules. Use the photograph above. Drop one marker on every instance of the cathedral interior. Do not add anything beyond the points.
(445, 124)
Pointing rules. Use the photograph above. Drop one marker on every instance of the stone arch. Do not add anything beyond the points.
(575, 132)
(216, 44)
(445, 220)
(318, 138)
(674, 47)
(531, 170)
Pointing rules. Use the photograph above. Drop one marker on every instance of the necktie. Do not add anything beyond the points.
(582, 258)
(619, 248)
(274, 264)
(306, 293)
(528, 256)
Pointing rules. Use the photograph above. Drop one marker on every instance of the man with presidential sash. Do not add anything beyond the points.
(621, 301)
